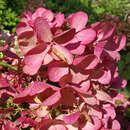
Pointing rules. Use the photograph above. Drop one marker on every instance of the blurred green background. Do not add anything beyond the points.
(10, 11)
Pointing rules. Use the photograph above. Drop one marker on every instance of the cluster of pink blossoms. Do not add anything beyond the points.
(66, 73)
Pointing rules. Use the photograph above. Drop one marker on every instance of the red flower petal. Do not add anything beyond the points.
(64, 37)
(108, 31)
(67, 93)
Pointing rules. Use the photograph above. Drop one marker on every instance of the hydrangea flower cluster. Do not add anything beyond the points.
(66, 78)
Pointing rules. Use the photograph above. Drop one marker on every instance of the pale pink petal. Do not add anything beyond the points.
(85, 85)
(92, 126)
(59, 20)
(48, 15)
(34, 58)
(78, 77)
(62, 53)
(57, 127)
(72, 118)
(90, 100)
(103, 96)
(106, 77)
(78, 20)
(116, 125)
(3, 81)
(47, 59)
(71, 127)
(76, 48)
(86, 36)
(57, 70)
(42, 29)
(109, 111)
(38, 13)
(95, 112)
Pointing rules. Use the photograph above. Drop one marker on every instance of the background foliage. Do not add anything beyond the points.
(11, 9)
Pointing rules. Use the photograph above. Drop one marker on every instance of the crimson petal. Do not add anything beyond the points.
(64, 37)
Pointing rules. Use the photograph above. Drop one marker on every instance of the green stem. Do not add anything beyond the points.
(9, 66)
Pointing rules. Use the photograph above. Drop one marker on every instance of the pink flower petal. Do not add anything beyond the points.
(23, 28)
(108, 31)
(103, 96)
(93, 126)
(34, 58)
(3, 81)
(78, 77)
(64, 37)
(30, 91)
(51, 100)
(76, 48)
(72, 118)
(116, 125)
(63, 54)
(120, 41)
(42, 29)
(47, 59)
(88, 62)
(90, 100)
(27, 41)
(106, 77)
(38, 13)
(99, 49)
(57, 127)
(85, 85)
(59, 20)
(57, 70)
(86, 36)
(95, 112)
(78, 20)
(48, 15)
(109, 111)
